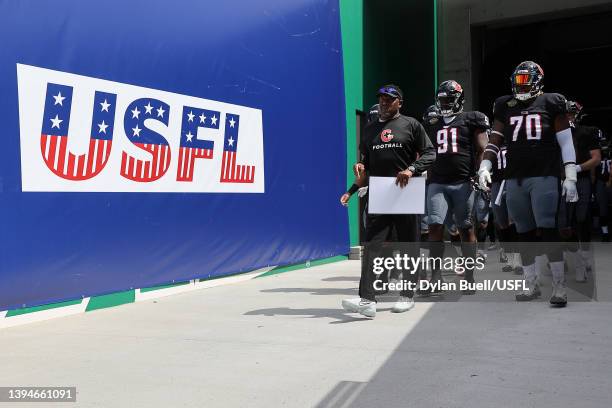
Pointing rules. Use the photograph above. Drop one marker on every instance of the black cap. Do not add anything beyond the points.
(391, 90)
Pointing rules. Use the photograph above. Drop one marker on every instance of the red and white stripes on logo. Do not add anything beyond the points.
(232, 173)
(186, 160)
(72, 167)
(146, 170)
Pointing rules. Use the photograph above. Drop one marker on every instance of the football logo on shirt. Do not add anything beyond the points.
(386, 135)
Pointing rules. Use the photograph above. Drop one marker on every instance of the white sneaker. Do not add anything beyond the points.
(403, 304)
(361, 306)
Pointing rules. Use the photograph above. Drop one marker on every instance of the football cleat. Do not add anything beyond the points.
(530, 294)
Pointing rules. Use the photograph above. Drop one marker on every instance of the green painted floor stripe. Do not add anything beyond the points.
(114, 299)
(316, 262)
(169, 285)
(25, 310)
(120, 298)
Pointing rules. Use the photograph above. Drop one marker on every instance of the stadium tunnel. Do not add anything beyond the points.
(571, 45)
(419, 44)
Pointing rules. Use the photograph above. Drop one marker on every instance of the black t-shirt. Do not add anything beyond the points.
(455, 147)
(529, 133)
(388, 148)
(499, 168)
(586, 138)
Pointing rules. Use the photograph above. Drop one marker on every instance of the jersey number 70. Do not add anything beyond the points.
(533, 126)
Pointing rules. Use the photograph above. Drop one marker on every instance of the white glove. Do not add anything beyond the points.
(484, 174)
(569, 184)
(362, 191)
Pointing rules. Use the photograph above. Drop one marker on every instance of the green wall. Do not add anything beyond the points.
(400, 47)
(386, 41)
(351, 21)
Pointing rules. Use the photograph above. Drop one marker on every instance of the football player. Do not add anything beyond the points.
(536, 130)
(575, 218)
(602, 188)
(460, 139)
(505, 227)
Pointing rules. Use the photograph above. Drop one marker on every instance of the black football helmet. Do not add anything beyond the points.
(449, 98)
(575, 109)
(373, 114)
(430, 112)
(527, 80)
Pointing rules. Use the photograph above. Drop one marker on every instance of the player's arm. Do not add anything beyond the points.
(481, 138)
(359, 170)
(595, 154)
(568, 154)
(592, 163)
(358, 184)
(426, 154)
(495, 141)
(360, 167)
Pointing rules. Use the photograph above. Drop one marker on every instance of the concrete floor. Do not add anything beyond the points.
(283, 341)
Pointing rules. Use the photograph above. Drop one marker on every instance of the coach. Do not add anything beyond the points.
(393, 146)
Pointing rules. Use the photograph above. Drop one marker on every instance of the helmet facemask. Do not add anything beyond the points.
(449, 105)
(526, 85)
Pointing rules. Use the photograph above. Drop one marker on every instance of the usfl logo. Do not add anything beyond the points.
(86, 134)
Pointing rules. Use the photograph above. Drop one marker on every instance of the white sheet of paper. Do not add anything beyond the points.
(387, 198)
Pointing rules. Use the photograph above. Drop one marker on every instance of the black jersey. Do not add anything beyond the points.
(429, 125)
(602, 172)
(455, 147)
(390, 147)
(529, 133)
(586, 138)
(499, 168)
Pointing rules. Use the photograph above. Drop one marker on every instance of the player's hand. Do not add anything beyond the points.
(402, 178)
(484, 179)
(569, 191)
(345, 199)
(484, 175)
(358, 169)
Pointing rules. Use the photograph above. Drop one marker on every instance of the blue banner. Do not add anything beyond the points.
(147, 142)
